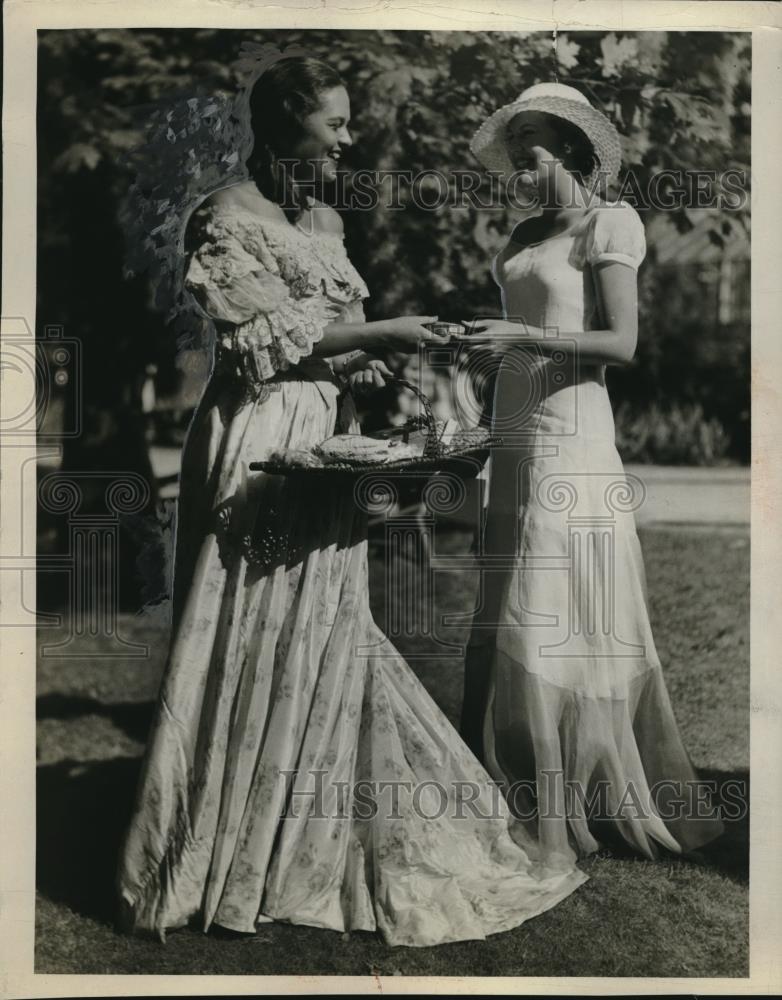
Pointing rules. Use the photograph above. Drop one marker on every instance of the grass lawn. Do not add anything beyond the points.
(632, 918)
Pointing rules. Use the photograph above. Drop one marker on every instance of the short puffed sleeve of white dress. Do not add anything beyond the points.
(615, 233)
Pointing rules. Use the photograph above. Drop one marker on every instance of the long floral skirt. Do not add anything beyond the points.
(297, 770)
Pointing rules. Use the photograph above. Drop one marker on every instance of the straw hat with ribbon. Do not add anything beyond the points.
(488, 143)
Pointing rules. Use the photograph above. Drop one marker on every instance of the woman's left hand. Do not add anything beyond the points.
(372, 376)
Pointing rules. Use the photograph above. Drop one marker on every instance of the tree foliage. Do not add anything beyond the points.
(136, 124)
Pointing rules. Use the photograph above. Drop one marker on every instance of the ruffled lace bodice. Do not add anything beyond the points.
(270, 289)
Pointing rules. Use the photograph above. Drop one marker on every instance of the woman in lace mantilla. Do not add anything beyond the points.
(280, 690)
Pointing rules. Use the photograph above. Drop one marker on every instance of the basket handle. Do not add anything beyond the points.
(433, 446)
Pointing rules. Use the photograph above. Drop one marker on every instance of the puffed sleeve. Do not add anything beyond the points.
(264, 324)
(615, 233)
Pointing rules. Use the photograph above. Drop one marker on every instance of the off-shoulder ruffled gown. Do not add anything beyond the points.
(565, 698)
(277, 671)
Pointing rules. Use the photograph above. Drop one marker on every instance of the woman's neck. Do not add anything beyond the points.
(563, 212)
(289, 197)
(567, 201)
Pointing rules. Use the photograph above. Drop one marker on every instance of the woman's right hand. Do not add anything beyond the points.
(405, 333)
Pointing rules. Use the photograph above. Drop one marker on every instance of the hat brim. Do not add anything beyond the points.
(488, 144)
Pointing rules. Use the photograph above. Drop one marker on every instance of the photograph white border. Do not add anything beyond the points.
(17, 646)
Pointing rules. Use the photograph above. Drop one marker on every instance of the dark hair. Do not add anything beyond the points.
(581, 159)
(281, 98)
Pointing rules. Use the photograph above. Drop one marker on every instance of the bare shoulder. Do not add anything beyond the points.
(244, 197)
(327, 219)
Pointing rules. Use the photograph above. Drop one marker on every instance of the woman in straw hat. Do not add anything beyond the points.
(565, 700)
(282, 699)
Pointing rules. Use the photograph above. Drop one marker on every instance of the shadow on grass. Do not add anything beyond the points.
(729, 854)
(132, 717)
(83, 810)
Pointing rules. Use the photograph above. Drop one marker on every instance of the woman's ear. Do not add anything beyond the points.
(570, 159)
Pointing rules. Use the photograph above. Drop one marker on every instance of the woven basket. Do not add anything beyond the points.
(465, 456)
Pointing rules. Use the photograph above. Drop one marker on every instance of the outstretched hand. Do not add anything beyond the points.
(406, 334)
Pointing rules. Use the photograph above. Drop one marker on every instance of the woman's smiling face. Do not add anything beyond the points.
(531, 138)
(536, 147)
(324, 136)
